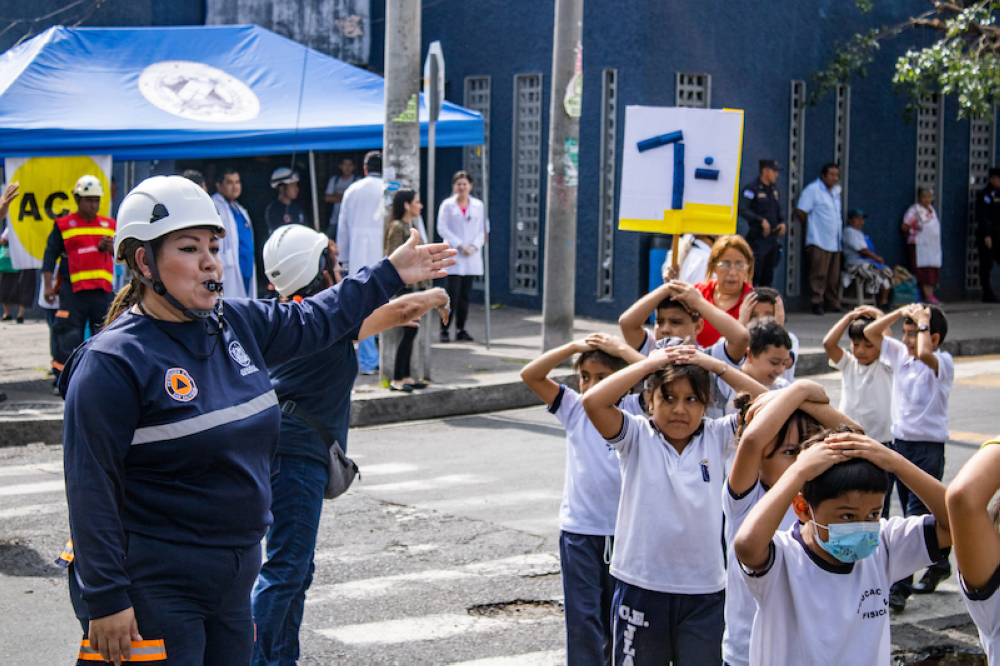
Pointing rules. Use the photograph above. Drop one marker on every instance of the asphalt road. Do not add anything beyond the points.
(445, 553)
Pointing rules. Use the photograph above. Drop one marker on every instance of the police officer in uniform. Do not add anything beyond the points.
(988, 232)
(759, 205)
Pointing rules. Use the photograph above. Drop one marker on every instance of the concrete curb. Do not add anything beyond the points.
(420, 405)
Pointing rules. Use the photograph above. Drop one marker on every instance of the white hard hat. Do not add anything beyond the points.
(292, 258)
(284, 176)
(162, 204)
(88, 186)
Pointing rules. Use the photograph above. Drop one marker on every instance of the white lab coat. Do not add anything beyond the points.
(229, 250)
(469, 228)
(361, 227)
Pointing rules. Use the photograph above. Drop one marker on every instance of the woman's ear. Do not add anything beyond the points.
(142, 262)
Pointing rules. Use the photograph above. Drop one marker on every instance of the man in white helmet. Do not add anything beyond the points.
(360, 234)
(82, 243)
(285, 209)
(239, 254)
(314, 390)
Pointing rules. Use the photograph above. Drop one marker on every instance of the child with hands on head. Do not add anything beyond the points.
(767, 302)
(590, 492)
(769, 439)
(972, 502)
(922, 379)
(822, 587)
(866, 381)
(668, 561)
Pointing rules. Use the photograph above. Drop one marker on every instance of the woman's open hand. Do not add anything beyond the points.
(416, 262)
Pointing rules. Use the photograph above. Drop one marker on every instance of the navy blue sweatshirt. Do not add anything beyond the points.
(169, 432)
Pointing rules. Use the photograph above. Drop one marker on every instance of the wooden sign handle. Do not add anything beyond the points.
(676, 250)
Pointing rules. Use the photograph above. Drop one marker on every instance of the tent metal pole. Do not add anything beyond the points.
(486, 244)
(312, 188)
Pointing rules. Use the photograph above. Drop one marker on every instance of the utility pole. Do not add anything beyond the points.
(401, 137)
(559, 287)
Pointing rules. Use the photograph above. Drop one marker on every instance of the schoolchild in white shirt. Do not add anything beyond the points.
(866, 381)
(681, 313)
(923, 376)
(767, 357)
(668, 559)
(822, 586)
(590, 493)
(767, 302)
(772, 431)
(977, 544)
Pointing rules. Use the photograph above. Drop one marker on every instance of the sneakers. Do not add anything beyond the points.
(444, 337)
(464, 336)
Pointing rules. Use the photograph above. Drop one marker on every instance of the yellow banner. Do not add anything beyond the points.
(45, 194)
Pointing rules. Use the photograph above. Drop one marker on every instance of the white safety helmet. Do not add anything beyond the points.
(292, 259)
(88, 186)
(162, 204)
(283, 176)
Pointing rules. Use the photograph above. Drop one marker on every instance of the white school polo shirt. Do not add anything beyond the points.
(866, 395)
(919, 397)
(740, 604)
(984, 607)
(669, 532)
(593, 480)
(789, 375)
(813, 612)
(720, 390)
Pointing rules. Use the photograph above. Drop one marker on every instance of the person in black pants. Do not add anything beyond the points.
(988, 233)
(462, 222)
(759, 205)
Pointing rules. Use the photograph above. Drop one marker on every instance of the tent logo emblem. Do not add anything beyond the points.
(179, 385)
(197, 91)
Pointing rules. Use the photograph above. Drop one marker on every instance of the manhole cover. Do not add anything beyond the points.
(519, 609)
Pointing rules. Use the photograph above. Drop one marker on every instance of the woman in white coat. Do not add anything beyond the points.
(923, 243)
(462, 223)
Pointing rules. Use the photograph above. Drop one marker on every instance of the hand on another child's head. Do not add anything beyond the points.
(856, 445)
(817, 459)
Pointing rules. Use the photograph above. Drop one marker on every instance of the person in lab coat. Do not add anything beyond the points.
(462, 224)
(359, 236)
(239, 265)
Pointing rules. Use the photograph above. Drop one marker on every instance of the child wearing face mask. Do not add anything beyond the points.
(668, 561)
(590, 493)
(973, 507)
(771, 432)
(822, 587)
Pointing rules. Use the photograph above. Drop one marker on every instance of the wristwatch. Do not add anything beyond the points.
(923, 328)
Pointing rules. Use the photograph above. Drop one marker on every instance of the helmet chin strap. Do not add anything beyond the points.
(214, 314)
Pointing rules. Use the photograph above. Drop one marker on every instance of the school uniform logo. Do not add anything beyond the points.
(238, 354)
(179, 385)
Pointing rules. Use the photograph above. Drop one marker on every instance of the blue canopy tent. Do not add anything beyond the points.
(190, 92)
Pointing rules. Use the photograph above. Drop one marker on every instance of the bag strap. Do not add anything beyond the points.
(291, 408)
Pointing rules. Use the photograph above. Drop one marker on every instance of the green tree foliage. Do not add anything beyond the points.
(964, 59)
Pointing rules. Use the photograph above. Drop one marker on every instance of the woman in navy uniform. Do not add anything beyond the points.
(171, 424)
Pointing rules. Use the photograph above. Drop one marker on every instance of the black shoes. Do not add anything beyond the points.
(444, 337)
(897, 601)
(818, 310)
(931, 579)
(464, 336)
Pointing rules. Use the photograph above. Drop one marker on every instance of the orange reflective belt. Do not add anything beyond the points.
(62, 314)
(141, 651)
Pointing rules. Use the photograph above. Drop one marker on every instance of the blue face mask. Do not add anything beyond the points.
(849, 542)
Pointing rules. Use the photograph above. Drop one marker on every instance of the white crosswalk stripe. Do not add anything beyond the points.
(28, 470)
(418, 485)
(547, 658)
(33, 510)
(32, 488)
(425, 628)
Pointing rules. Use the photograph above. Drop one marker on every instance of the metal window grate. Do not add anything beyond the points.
(694, 90)
(930, 142)
(982, 147)
(609, 160)
(478, 98)
(796, 155)
(842, 139)
(526, 191)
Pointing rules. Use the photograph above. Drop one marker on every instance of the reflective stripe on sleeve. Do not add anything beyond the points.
(203, 422)
(141, 651)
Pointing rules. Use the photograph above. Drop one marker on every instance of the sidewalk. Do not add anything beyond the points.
(467, 377)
